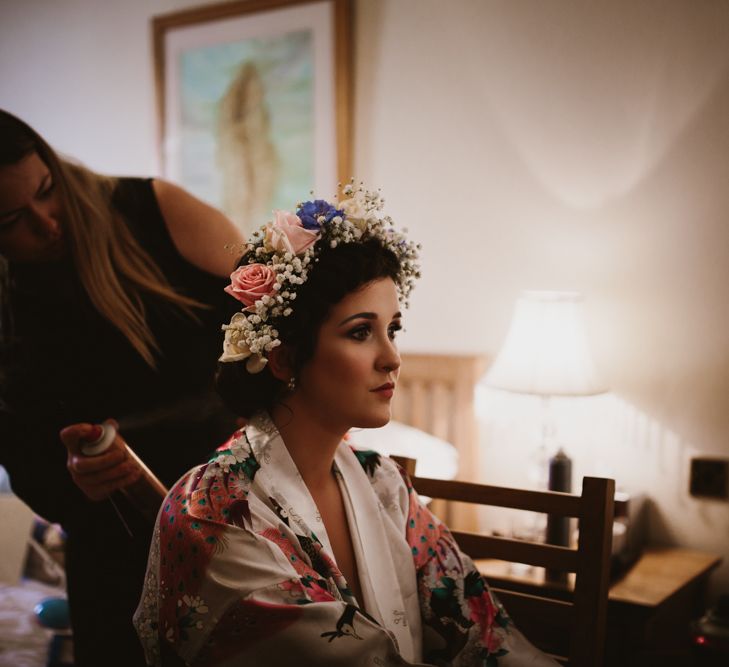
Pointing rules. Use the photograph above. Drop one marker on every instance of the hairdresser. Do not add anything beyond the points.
(112, 296)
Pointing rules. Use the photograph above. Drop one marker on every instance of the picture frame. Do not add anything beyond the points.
(254, 102)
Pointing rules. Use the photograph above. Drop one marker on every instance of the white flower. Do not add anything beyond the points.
(234, 345)
(195, 604)
(354, 208)
(239, 484)
(256, 364)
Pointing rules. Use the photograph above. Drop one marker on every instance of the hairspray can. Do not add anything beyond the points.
(148, 492)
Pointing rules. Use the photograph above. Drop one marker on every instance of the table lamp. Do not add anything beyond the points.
(546, 354)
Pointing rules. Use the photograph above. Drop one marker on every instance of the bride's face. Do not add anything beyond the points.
(351, 378)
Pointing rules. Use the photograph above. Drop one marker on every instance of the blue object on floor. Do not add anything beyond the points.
(53, 613)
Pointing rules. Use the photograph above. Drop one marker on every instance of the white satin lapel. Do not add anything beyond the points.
(282, 480)
(375, 552)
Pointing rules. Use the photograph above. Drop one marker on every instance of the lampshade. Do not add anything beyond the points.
(546, 351)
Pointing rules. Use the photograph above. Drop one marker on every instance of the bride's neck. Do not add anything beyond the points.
(310, 441)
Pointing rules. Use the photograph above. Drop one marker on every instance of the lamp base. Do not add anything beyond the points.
(558, 527)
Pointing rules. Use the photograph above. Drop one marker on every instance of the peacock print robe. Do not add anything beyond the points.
(241, 571)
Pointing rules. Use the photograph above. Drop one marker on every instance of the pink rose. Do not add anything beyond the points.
(251, 282)
(287, 234)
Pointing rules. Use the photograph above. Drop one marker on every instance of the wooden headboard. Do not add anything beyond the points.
(435, 393)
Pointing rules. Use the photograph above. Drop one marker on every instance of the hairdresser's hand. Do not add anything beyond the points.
(97, 476)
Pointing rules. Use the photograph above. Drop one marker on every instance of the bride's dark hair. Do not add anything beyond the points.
(338, 272)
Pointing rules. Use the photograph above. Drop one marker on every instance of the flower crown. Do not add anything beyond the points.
(280, 255)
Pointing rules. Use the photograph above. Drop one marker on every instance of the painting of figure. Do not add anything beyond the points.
(246, 124)
(253, 102)
(245, 151)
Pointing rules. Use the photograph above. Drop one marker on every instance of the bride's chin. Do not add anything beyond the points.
(374, 421)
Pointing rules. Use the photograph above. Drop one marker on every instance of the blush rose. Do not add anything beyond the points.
(251, 282)
(286, 234)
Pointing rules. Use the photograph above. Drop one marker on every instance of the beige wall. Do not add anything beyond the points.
(527, 144)
(569, 145)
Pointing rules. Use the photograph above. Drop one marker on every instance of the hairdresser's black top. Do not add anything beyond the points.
(70, 365)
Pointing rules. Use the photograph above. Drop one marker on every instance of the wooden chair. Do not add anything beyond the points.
(573, 630)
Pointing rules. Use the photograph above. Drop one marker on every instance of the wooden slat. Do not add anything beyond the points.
(592, 583)
(517, 551)
(418, 406)
(400, 405)
(440, 411)
(407, 464)
(448, 368)
(522, 605)
(544, 621)
(563, 504)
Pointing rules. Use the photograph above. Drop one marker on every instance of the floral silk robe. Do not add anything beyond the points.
(241, 571)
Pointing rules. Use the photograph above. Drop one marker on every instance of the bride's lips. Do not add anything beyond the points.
(387, 390)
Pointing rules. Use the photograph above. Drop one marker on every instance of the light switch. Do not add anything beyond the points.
(709, 478)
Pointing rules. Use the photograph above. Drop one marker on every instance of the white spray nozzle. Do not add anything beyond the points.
(102, 443)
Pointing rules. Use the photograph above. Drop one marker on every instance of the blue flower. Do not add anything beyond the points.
(310, 212)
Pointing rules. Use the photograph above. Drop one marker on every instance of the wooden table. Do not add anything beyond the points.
(649, 607)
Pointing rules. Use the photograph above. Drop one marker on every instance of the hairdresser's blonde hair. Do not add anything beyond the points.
(113, 267)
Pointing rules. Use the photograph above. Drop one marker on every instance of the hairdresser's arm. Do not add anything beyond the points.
(200, 232)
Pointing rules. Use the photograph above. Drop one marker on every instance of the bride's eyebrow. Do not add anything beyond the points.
(367, 316)
(364, 316)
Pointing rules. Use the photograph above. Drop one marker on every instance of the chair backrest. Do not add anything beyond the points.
(544, 619)
(435, 393)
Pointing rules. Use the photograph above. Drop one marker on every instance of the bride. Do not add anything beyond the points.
(289, 546)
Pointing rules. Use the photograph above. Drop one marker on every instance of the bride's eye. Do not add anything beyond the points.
(360, 332)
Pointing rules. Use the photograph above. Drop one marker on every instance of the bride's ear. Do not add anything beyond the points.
(280, 362)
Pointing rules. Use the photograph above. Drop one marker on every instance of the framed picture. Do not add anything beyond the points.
(254, 102)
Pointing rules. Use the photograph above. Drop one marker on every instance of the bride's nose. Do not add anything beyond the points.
(389, 358)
